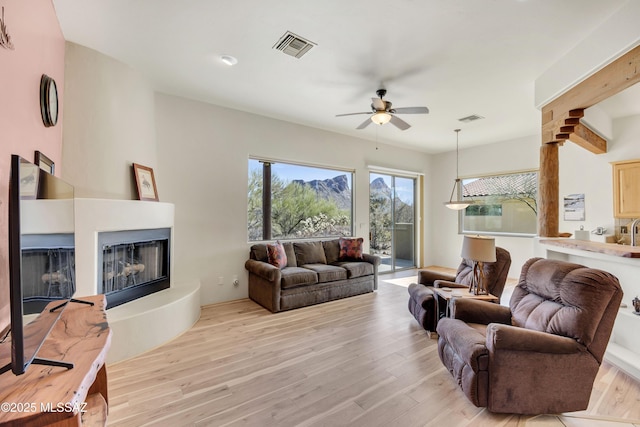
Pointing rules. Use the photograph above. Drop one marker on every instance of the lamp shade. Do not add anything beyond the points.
(381, 118)
(479, 248)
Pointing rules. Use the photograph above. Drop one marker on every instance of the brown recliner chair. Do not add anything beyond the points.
(540, 355)
(422, 303)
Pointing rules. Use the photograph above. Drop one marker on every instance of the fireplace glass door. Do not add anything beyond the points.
(133, 264)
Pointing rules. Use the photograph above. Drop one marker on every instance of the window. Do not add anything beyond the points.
(502, 204)
(289, 201)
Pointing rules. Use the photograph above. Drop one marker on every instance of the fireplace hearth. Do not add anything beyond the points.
(133, 264)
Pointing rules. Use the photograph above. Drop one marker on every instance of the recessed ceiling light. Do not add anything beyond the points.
(229, 60)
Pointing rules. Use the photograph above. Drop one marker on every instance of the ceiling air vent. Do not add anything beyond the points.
(471, 118)
(293, 44)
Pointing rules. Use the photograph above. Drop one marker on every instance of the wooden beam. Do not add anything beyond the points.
(588, 139)
(548, 194)
(558, 129)
(610, 80)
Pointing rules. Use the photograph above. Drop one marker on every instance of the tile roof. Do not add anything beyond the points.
(501, 185)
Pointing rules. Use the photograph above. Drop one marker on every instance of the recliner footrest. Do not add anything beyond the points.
(422, 305)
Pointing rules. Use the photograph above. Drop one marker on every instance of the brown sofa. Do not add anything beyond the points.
(314, 274)
(541, 354)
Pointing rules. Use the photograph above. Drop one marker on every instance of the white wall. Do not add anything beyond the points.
(443, 241)
(584, 172)
(580, 172)
(619, 34)
(199, 153)
(204, 151)
(109, 123)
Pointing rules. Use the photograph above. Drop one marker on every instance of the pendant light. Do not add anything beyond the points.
(457, 204)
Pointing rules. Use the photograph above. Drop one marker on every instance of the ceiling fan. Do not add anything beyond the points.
(382, 112)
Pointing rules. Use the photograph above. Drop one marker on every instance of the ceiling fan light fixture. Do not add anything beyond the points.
(381, 118)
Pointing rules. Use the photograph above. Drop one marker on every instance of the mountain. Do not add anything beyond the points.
(379, 190)
(379, 186)
(336, 189)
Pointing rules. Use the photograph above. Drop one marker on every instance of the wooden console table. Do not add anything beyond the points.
(46, 395)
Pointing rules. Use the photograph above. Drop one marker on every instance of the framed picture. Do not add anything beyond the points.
(29, 180)
(45, 163)
(145, 182)
(574, 207)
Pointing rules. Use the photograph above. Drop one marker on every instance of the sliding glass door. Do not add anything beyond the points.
(392, 222)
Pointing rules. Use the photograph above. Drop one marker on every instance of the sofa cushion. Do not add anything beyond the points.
(356, 269)
(258, 252)
(276, 255)
(331, 250)
(291, 255)
(309, 253)
(350, 249)
(297, 276)
(327, 273)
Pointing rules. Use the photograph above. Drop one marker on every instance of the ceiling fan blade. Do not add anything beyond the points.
(378, 104)
(399, 123)
(365, 124)
(352, 114)
(411, 110)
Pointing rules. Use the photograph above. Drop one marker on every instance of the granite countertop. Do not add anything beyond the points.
(624, 251)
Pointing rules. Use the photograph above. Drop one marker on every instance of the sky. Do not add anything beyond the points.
(288, 172)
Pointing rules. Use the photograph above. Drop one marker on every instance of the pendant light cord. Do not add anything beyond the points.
(457, 131)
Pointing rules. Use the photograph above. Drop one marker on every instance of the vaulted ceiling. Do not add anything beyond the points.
(457, 57)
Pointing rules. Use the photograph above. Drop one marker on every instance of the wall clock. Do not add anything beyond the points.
(48, 101)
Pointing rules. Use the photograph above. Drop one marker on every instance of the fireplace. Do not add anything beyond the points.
(144, 323)
(48, 272)
(133, 263)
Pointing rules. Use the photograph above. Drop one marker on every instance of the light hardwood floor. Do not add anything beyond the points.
(360, 361)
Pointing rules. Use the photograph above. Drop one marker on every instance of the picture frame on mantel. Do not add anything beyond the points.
(45, 163)
(145, 183)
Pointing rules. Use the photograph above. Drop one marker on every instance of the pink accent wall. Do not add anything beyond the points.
(38, 49)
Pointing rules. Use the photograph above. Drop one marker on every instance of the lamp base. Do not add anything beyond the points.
(478, 286)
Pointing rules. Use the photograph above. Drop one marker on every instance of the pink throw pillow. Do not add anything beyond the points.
(351, 249)
(276, 255)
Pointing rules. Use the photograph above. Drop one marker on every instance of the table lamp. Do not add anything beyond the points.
(478, 249)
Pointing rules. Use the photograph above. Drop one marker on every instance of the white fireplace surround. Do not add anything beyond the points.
(137, 325)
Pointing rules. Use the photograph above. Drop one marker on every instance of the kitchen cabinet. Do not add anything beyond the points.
(626, 189)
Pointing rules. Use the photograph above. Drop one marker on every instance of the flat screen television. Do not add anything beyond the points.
(40, 234)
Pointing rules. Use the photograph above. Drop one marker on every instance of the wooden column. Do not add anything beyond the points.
(549, 193)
